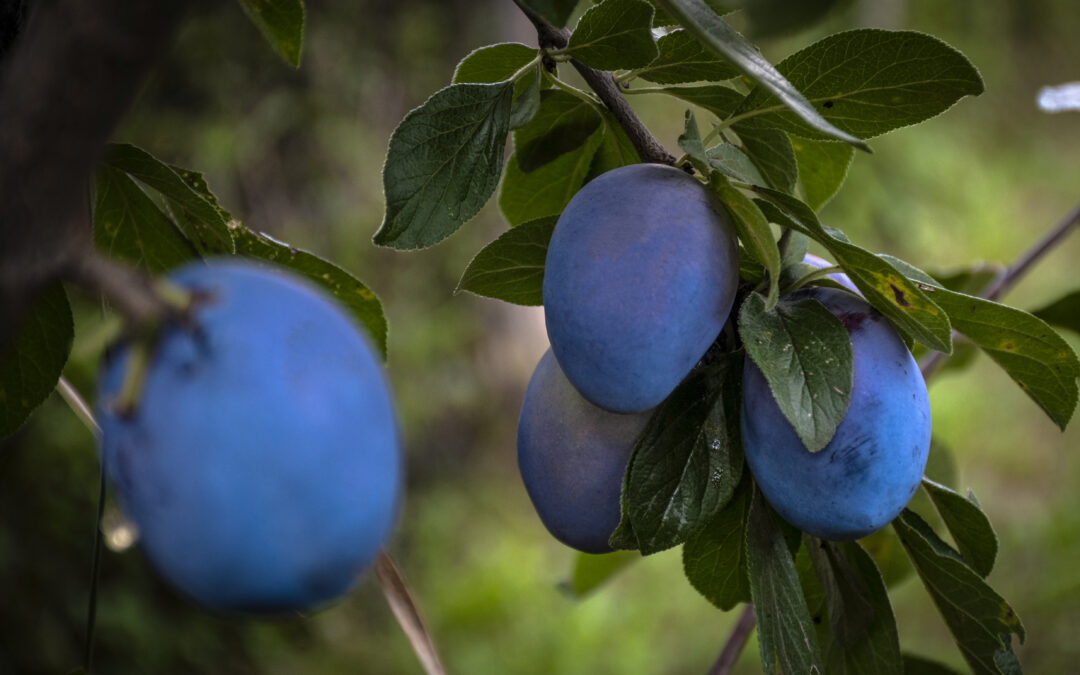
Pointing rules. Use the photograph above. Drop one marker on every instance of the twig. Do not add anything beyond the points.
(78, 406)
(1011, 275)
(648, 148)
(740, 633)
(130, 291)
(408, 617)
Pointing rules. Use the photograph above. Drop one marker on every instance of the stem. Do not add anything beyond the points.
(571, 89)
(95, 568)
(525, 68)
(740, 633)
(810, 276)
(78, 406)
(401, 604)
(130, 291)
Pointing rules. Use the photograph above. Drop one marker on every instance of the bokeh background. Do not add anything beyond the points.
(298, 154)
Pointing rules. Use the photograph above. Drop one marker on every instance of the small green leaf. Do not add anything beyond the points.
(1063, 312)
(717, 99)
(683, 59)
(823, 166)
(690, 142)
(511, 268)
(354, 295)
(805, 354)
(979, 619)
(697, 17)
(555, 12)
(753, 230)
(615, 34)
(688, 461)
(866, 82)
(714, 558)
(968, 525)
(563, 123)
(493, 63)
(526, 98)
(546, 191)
(128, 225)
(443, 163)
(786, 637)
(281, 22)
(731, 161)
(592, 571)
(33, 359)
(770, 150)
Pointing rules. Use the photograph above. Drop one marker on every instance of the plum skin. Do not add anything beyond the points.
(572, 456)
(262, 461)
(871, 468)
(640, 277)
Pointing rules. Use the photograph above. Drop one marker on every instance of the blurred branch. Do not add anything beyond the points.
(78, 405)
(740, 633)
(408, 616)
(648, 148)
(128, 289)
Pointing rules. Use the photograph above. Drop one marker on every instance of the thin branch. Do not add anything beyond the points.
(401, 604)
(78, 405)
(740, 633)
(601, 82)
(129, 290)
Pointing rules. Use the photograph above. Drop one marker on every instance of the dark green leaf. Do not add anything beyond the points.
(129, 225)
(917, 665)
(282, 24)
(197, 182)
(731, 161)
(592, 571)
(615, 34)
(719, 100)
(862, 637)
(511, 268)
(823, 165)
(886, 288)
(696, 16)
(555, 12)
(888, 553)
(493, 63)
(526, 98)
(546, 191)
(805, 354)
(774, 17)
(690, 142)
(615, 150)
(979, 619)
(968, 525)
(1064, 312)
(770, 150)
(867, 82)
(684, 59)
(205, 226)
(688, 461)
(443, 163)
(33, 359)
(786, 636)
(753, 230)
(562, 124)
(354, 295)
(714, 558)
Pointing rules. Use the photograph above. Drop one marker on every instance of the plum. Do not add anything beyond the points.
(572, 456)
(640, 276)
(261, 461)
(870, 469)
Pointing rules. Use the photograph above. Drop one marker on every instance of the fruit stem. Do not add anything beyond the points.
(135, 370)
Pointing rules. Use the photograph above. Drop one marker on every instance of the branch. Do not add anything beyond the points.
(648, 148)
(740, 633)
(130, 291)
(401, 604)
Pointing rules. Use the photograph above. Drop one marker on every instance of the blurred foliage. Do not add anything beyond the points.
(299, 154)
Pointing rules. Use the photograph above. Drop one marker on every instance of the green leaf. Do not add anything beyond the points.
(33, 359)
(511, 268)
(866, 82)
(526, 98)
(683, 59)
(823, 166)
(979, 619)
(905, 304)
(917, 665)
(862, 637)
(443, 163)
(786, 636)
(688, 461)
(281, 22)
(1063, 312)
(204, 225)
(805, 354)
(889, 556)
(719, 100)
(615, 34)
(493, 63)
(615, 150)
(563, 123)
(696, 16)
(555, 12)
(546, 191)
(753, 230)
(592, 571)
(128, 225)
(968, 525)
(731, 161)
(690, 142)
(354, 295)
(972, 280)
(770, 150)
(714, 558)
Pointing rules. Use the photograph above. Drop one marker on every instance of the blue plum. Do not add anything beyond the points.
(640, 276)
(838, 277)
(870, 469)
(572, 456)
(262, 460)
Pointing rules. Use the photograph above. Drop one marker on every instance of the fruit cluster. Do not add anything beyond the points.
(640, 278)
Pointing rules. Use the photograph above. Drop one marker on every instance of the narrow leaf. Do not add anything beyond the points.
(731, 161)
(511, 268)
(1063, 312)
(443, 163)
(547, 190)
(753, 230)
(968, 525)
(690, 142)
(714, 558)
(281, 22)
(697, 17)
(684, 59)
(526, 99)
(805, 354)
(823, 166)
(770, 150)
(563, 123)
(592, 571)
(615, 34)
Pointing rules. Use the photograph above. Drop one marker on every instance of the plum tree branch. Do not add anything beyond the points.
(603, 83)
(740, 633)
